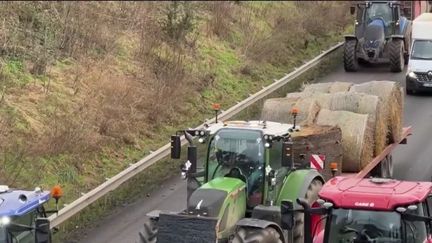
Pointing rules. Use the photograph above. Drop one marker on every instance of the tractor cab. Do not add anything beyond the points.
(373, 15)
(374, 210)
(247, 150)
(23, 218)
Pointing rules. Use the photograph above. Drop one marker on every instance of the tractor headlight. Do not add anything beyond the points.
(267, 145)
(5, 220)
(202, 133)
(412, 75)
(201, 140)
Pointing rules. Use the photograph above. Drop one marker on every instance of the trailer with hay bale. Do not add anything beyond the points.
(359, 120)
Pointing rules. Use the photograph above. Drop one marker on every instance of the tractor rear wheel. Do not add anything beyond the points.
(255, 235)
(396, 55)
(148, 234)
(350, 56)
(311, 196)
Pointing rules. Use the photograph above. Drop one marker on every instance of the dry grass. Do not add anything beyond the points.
(91, 87)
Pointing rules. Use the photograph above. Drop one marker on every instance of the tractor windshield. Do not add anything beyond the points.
(358, 226)
(365, 226)
(379, 11)
(422, 49)
(237, 153)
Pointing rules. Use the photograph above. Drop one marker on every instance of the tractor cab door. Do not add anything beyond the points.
(274, 163)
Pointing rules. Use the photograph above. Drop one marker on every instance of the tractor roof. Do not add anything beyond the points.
(18, 202)
(374, 193)
(269, 128)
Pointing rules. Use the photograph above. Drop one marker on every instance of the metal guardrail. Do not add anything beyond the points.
(114, 182)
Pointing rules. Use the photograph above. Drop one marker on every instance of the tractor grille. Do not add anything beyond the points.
(424, 77)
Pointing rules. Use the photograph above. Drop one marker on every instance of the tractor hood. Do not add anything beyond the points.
(213, 209)
(374, 34)
(374, 193)
(210, 197)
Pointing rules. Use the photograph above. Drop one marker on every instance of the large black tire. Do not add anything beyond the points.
(256, 235)
(350, 56)
(396, 55)
(148, 234)
(311, 196)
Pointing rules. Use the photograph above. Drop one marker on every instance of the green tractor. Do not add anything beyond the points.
(248, 183)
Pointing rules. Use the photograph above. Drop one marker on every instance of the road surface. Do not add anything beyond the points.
(412, 162)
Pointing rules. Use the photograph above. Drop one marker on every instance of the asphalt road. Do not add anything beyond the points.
(412, 162)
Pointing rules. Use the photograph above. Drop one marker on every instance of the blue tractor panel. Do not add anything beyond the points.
(19, 202)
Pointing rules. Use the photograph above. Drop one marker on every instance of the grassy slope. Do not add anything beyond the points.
(32, 101)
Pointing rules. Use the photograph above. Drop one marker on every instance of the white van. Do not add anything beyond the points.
(419, 74)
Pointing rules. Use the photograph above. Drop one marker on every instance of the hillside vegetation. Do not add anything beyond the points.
(86, 88)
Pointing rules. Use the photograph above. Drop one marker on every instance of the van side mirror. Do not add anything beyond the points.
(287, 215)
(352, 10)
(42, 232)
(175, 147)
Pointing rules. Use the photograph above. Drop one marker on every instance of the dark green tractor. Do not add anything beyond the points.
(382, 35)
(246, 185)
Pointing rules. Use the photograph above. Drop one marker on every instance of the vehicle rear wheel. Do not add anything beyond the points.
(255, 235)
(350, 56)
(311, 196)
(396, 55)
(148, 234)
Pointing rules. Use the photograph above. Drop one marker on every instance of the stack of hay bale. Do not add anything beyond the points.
(368, 117)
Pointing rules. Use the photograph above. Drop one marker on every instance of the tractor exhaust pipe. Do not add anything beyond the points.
(307, 220)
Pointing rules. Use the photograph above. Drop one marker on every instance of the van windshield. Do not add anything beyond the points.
(422, 49)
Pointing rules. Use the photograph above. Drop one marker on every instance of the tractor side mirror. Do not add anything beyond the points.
(287, 215)
(43, 232)
(175, 147)
(352, 10)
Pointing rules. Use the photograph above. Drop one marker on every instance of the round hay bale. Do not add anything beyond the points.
(331, 87)
(317, 88)
(363, 104)
(357, 137)
(392, 99)
(279, 110)
(340, 87)
(360, 103)
(295, 95)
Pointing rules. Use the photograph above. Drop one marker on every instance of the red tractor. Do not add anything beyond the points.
(358, 209)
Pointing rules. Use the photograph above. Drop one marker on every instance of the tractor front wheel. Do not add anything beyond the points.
(396, 55)
(311, 196)
(148, 234)
(252, 235)
(350, 56)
